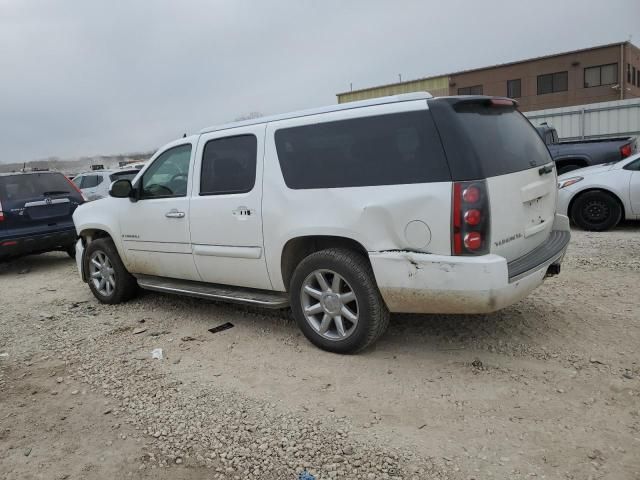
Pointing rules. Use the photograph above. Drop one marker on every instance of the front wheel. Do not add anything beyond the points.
(336, 301)
(596, 210)
(109, 280)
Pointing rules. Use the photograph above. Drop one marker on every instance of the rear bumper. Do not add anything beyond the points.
(40, 243)
(424, 283)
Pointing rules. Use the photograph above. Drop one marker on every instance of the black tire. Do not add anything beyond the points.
(355, 270)
(596, 211)
(568, 168)
(71, 251)
(126, 286)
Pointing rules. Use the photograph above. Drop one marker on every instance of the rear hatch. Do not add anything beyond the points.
(486, 138)
(33, 203)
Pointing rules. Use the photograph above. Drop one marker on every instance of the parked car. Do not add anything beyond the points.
(344, 213)
(35, 213)
(572, 155)
(597, 198)
(96, 184)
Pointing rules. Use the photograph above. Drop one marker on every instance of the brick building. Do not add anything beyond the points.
(598, 74)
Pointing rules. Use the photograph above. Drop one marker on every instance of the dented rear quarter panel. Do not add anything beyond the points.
(376, 216)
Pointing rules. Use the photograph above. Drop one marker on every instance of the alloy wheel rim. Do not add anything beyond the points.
(101, 273)
(329, 305)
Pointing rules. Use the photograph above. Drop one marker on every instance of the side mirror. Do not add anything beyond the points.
(121, 189)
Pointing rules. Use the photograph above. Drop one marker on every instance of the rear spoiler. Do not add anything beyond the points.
(479, 99)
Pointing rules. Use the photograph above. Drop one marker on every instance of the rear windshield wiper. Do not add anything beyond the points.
(55, 192)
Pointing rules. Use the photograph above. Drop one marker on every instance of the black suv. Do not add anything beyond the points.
(35, 213)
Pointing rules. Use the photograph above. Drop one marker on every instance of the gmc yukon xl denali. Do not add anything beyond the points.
(347, 213)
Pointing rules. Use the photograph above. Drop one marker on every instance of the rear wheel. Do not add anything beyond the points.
(109, 280)
(596, 210)
(336, 301)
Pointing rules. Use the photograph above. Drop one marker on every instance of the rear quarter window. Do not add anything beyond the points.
(401, 148)
(484, 141)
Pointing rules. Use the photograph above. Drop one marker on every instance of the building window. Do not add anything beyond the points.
(633, 75)
(553, 82)
(628, 73)
(475, 90)
(601, 75)
(514, 88)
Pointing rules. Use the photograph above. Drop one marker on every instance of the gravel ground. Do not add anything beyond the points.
(549, 388)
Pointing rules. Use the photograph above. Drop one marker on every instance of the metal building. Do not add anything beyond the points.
(605, 119)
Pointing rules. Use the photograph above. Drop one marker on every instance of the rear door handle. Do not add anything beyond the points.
(546, 169)
(174, 214)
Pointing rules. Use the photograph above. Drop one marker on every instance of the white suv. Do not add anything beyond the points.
(95, 184)
(401, 204)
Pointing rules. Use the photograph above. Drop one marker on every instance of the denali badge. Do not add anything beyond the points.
(508, 239)
(130, 236)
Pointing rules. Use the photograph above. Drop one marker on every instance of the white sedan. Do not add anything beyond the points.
(598, 197)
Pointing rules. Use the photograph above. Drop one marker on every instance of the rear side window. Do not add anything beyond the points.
(91, 181)
(229, 165)
(30, 186)
(399, 148)
(483, 141)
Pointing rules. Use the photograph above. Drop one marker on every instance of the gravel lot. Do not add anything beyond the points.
(549, 388)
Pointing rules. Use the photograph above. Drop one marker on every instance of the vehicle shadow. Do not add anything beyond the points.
(33, 263)
(523, 328)
(526, 328)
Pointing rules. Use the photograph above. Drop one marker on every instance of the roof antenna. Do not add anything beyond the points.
(184, 135)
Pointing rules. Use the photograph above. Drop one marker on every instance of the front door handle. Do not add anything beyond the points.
(174, 214)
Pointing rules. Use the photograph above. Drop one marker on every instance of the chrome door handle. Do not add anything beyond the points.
(174, 214)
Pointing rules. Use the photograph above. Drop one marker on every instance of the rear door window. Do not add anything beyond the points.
(482, 140)
(229, 165)
(399, 148)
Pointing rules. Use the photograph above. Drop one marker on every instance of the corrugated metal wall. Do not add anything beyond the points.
(605, 119)
(437, 86)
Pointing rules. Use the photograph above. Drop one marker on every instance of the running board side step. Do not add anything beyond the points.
(211, 291)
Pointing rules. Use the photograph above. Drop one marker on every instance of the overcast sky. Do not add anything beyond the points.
(100, 77)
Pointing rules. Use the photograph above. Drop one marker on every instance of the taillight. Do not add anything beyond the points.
(1, 213)
(625, 151)
(76, 189)
(470, 219)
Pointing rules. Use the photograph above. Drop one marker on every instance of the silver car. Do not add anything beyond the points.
(597, 198)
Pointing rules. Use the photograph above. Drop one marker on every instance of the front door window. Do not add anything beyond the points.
(168, 175)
